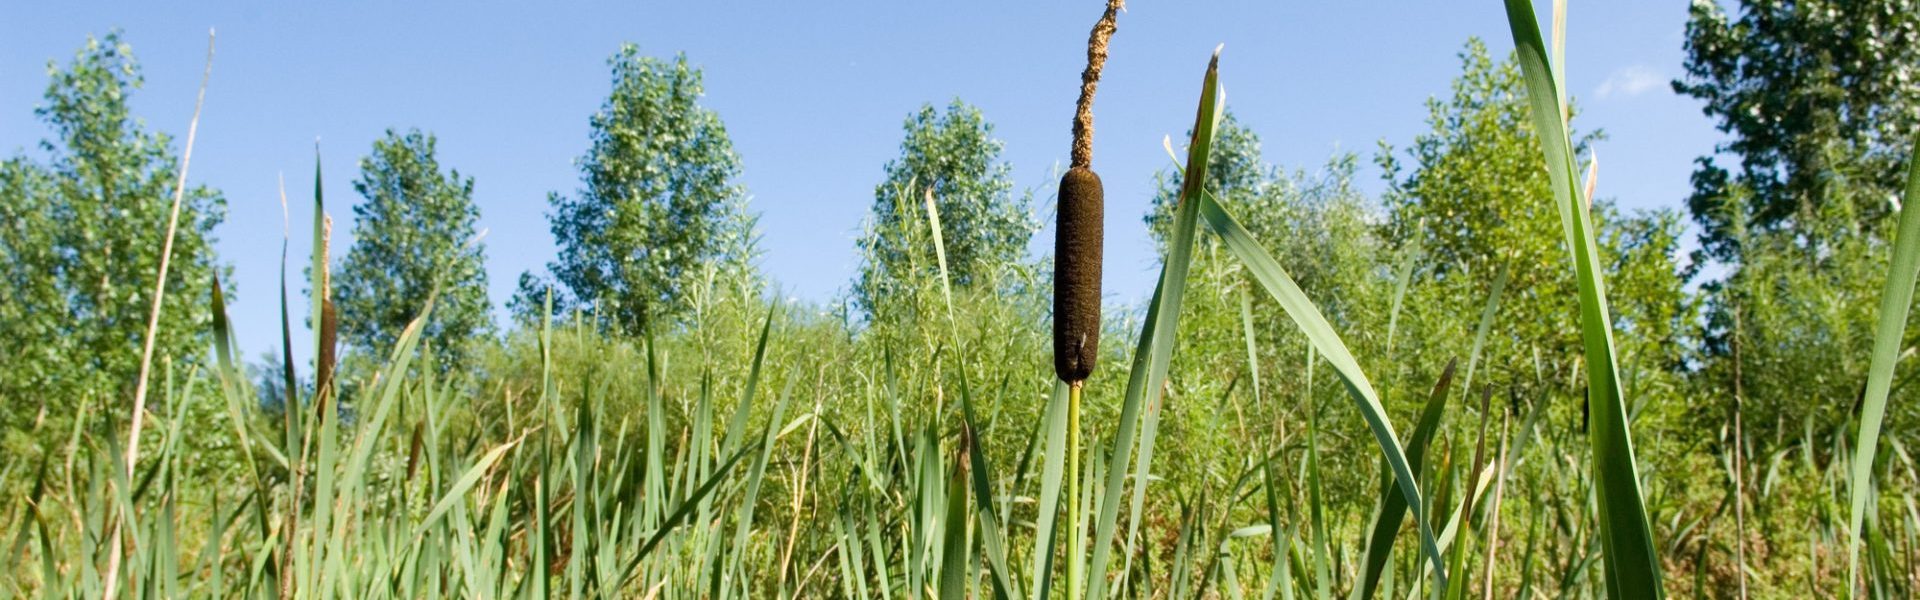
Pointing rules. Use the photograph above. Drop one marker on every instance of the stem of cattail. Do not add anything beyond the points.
(1073, 488)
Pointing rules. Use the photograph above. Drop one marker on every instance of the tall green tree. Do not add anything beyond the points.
(953, 155)
(1475, 200)
(660, 207)
(413, 232)
(33, 296)
(82, 245)
(1819, 99)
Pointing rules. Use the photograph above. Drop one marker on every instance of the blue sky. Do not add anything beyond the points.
(813, 95)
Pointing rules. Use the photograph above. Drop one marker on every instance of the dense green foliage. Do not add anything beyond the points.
(1820, 104)
(660, 203)
(413, 234)
(1485, 371)
(1473, 205)
(81, 245)
(952, 157)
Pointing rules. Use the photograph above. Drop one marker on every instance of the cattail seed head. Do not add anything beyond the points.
(1081, 214)
(1076, 275)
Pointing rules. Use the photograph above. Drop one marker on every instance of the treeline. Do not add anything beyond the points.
(1790, 210)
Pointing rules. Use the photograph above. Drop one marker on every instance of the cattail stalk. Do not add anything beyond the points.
(1076, 271)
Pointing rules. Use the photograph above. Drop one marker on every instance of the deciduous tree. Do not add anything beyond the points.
(660, 204)
(953, 155)
(413, 232)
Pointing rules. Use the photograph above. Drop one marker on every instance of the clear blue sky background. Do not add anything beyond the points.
(813, 95)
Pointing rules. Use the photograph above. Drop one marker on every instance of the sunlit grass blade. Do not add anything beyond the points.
(679, 515)
(1319, 332)
(1155, 347)
(1393, 505)
(1052, 471)
(991, 542)
(460, 488)
(1896, 299)
(1463, 544)
(940, 252)
(1632, 563)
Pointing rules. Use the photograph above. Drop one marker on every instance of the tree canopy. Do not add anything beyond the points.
(1819, 99)
(1474, 202)
(413, 234)
(82, 245)
(660, 203)
(952, 155)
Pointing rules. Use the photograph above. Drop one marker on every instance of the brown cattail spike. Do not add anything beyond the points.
(324, 363)
(1080, 228)
(1076, 275)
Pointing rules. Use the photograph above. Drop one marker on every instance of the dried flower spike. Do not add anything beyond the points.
(1080, 229)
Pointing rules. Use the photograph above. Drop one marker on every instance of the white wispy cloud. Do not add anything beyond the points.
(1627, 82)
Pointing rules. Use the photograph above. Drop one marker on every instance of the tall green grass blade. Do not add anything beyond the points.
(222, 330)
(291, 384)
(982, 476)
(882, 578)
(1632, 563)
(1896, 298)
(940, 252)
(460, 488)
(1319, 332)
(1316, 501)
(390, 384)
(1280, 580)
(1487, 314)
(679, 515)
(1246, 331)
(50, 579)
(1155, 348)
(743, 522)
(318, 294)
(325, 459)
(955, 560)
(737, 426)
(1393, 504)
(1402, 279)
(1463, 544)
(1052, 471)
